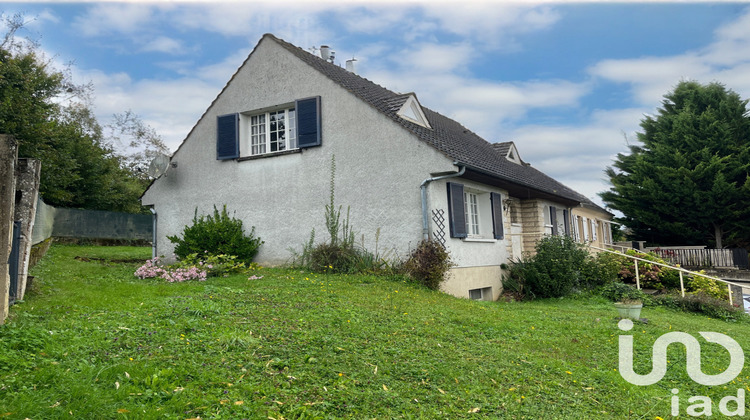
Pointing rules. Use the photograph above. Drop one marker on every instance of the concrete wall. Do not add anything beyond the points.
(379, 167)
(8, 154)
(27, 194)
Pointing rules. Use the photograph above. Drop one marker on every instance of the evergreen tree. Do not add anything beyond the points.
(688, 181)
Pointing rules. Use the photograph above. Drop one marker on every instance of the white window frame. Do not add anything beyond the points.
(594, 228)
(259, 133)
(471, 212)
(586, 227)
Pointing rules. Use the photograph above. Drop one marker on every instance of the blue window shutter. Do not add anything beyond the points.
(227, 136)
(456, 215)
(566, 221)
(553, 219)
(308, 122)
(497, 215)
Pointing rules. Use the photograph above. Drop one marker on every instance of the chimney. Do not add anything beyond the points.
(325, 52)
(351, 65)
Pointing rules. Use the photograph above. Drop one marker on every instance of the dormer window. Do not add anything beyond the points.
(513, 154)
(412, 111)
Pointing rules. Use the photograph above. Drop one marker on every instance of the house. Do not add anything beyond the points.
(264, 148)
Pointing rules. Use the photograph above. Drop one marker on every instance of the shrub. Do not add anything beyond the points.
(670, 279)
(216, 235)
(332, 257)
(702, 303)
(216, 265)
(556, 268)
(428, 263)
(600, 269)
(650, 275)
(617, 291)
(707, 286)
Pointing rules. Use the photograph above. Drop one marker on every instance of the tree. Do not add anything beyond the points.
(53, 122)
(688, 181)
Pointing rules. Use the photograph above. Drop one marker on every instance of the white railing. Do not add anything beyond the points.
(680, 269)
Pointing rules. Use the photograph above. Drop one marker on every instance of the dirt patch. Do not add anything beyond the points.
(109, 260)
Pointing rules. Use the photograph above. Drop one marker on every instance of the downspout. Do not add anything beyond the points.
(423, 190)
(153, 233)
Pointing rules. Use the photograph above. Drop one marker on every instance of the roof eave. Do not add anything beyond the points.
(514, 188)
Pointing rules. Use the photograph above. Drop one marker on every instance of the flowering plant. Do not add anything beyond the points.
(152, 269)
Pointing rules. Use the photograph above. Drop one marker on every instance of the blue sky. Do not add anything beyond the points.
(568, 82)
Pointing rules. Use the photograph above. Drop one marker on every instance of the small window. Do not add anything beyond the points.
(471, 211)
(484, 293)
(474, 214)
(273, 131)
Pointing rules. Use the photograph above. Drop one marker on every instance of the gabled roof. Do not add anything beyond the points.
(446, 135)
(480, 158)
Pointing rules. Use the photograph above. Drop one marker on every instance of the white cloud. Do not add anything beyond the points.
(114, 18)
(171, 107)
(165, 45)
(436, 58)
(374, 19)
(493, 24)
(299, 23)
(739, 29)
(577, 155)
(725, 60)
(483, 106)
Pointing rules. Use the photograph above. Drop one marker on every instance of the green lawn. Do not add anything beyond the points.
(92, 341)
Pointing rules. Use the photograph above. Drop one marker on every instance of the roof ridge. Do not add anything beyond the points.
(446, 135)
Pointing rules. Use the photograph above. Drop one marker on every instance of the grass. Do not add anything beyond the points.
(91, 341)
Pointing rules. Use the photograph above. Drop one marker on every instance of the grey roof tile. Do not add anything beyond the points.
(448, 136)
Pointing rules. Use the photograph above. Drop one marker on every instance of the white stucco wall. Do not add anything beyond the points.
(379, 167)
(477, 260)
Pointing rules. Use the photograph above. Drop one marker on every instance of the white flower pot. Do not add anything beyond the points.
(629, 310)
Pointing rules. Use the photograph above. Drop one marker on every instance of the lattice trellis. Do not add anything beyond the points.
(438, 216)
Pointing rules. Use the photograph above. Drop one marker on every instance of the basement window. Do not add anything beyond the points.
(484, 293)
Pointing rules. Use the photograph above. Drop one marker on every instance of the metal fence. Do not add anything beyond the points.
(681, 270)
(701, 258)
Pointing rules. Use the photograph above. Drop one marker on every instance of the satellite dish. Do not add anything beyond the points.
(158, 166)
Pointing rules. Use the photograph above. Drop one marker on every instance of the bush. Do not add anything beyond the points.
(600, 269)
(555, 270)
(216, 265)
(331, 257)
(428, 263)
(217, 235)
(650, 275)
(617, 291)
(707, 286)
(702, 303)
